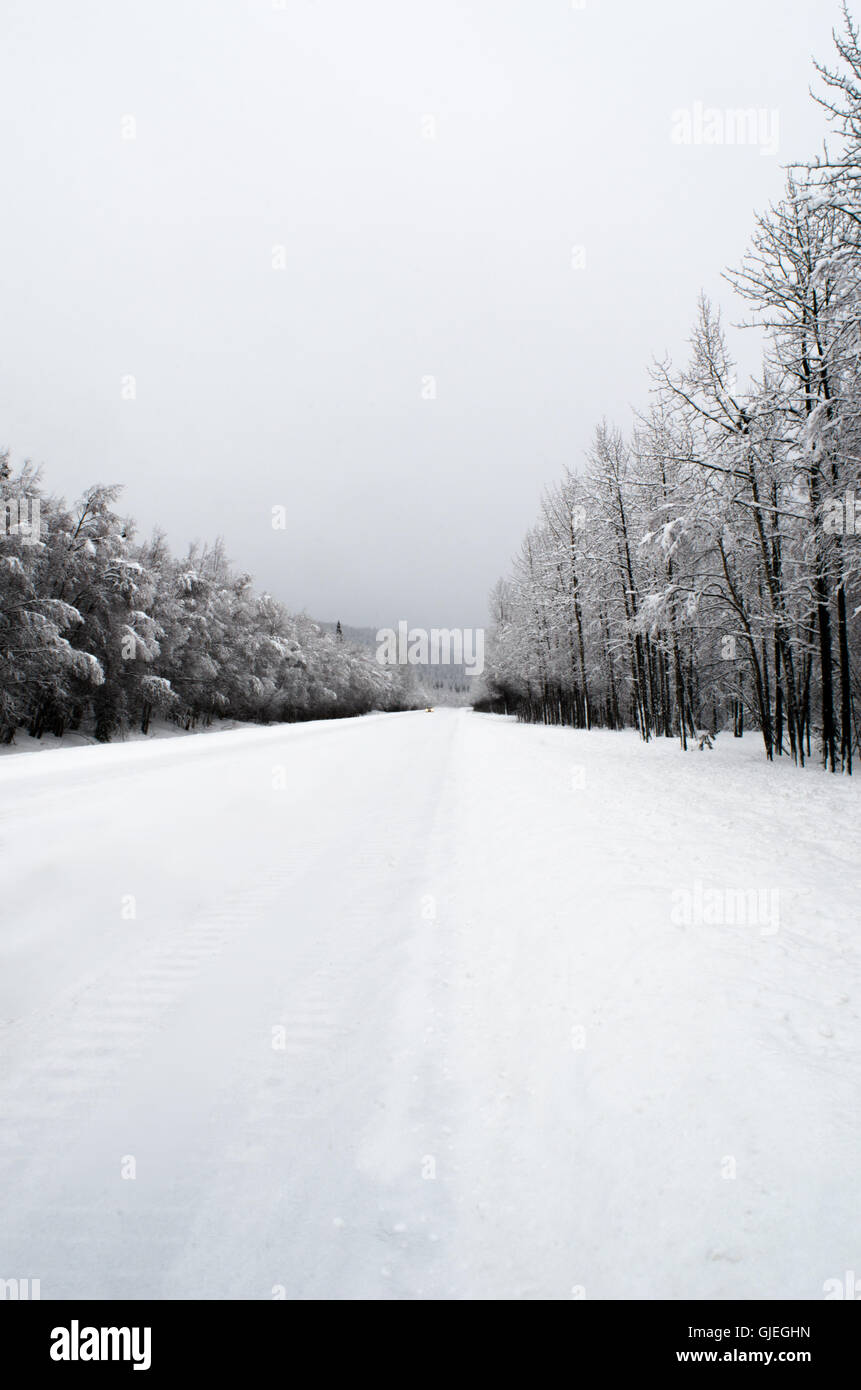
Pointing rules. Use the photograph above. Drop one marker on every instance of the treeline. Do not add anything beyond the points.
(704, 572)
(101, 633)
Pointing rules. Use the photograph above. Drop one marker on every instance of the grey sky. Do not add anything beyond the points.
(406, 257)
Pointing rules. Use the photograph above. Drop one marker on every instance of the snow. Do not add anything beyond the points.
(405, 1010)
(159, 728)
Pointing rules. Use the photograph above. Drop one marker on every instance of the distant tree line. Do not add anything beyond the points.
(102, 633)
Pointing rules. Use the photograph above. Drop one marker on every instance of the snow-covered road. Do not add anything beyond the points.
(406, 1007)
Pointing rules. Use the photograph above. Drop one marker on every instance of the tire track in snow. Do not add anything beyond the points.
(98, 1037)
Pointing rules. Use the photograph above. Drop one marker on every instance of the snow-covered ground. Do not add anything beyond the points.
(159, 728)
(427, 1006)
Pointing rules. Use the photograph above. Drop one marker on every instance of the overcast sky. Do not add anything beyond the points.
(428, 167)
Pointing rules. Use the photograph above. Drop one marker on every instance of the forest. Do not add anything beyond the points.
(702, 572)
(100, 633)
